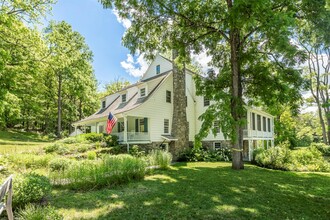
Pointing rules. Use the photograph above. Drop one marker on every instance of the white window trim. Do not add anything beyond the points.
(146, 91)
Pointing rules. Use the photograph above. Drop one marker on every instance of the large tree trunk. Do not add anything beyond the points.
(59, 106)
(324, 131)
(180, 128)
(236, 102)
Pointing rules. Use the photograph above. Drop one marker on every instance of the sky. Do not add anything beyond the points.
(102, 30)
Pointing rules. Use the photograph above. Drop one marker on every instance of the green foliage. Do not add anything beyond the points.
(28, 161)
(34, 212)
(30, 188)
(91, 155)
(92, 137)
(200, 154)
(57, 148)
(109, 171)
(323, 148)
(304, 159)
(160, 158)
(59, 164)
(136, 151)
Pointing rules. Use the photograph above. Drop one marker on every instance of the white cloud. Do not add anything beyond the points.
(134, 67)
(125, 22)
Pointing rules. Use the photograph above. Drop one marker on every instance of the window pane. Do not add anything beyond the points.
(143, 92)
(168, 96)
(253, 121)
(268, 124)
(103, 104)
(264, 123)
(166, 126)
(259, 122)
(206, 101)
(123, 98)
(157, 69)
(217, 126)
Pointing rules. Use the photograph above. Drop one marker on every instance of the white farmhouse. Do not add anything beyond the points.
(146, 109)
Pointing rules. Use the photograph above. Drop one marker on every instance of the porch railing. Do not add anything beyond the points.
(133, 136)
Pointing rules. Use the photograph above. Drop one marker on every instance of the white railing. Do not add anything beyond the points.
(257, 134)
(7, 188)
(133, 136)
(138, 136)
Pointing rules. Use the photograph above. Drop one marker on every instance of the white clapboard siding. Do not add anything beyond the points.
(165, 66)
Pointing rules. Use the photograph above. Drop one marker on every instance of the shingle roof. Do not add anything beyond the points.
(117, 107)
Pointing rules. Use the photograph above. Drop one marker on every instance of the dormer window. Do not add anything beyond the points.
(143, 92)
(123, 98)
(103, 104)
(157, 69)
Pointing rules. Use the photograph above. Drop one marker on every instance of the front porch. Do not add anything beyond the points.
(135, 131)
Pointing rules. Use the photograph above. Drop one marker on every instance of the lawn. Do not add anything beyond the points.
(13, 141)
(205, 191)
(188, 191)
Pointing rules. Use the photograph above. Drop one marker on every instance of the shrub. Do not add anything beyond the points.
(58, 148)
(199, 154)
(110, 140)
(136, 151)
(52, 148)
(160, 158)
(111, 170)
(70, 140)
(30, 188)
(91, 155)
(308, 159)
(323, 148)
(59, 164)
(33, 212)
(93, 137)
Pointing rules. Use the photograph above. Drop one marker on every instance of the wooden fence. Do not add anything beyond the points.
(6, 204)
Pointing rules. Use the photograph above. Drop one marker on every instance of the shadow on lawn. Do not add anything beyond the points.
(202, 192)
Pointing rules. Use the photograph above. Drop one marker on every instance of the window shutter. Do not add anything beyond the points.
(118, 127)
(145, 124)
(136, 125)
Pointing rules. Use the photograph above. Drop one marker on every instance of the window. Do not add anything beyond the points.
(141, 125)
(143, 92)
(166, 126)
(268, 124)
(121, 126)
(264, 124)
(123, 98)
(216, 126)
(157, 69)
(206, 101)
(101, 129)
(259, 122)
(168, 96)
(217, 145)
(253, 119)
(103, 104)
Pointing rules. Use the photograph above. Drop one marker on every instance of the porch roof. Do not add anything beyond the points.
(118, 107)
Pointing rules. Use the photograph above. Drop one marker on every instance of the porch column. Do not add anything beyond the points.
(272, 143)
(125, 128)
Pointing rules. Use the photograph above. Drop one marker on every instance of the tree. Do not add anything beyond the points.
(114, 86)
(21, 49)
(249, 42)
(313, 37)
(69, 65)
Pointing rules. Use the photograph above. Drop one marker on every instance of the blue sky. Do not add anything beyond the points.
(103, 33)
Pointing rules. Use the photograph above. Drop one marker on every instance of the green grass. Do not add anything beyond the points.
(205, 191)
(13, 141)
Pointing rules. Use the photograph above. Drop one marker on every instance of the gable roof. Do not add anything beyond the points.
(117, 107)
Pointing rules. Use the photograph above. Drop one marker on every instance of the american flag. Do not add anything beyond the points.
(111, 122)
